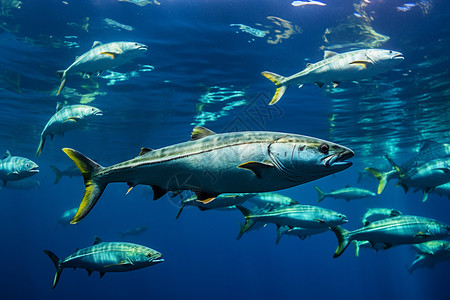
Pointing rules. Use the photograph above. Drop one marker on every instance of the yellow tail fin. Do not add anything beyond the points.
(94, 187)
(279, 82)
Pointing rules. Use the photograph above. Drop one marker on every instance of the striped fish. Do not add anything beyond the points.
(16, 168)
(211, 164)
(336, 67)
(107, 257)
(393, 231)
(101, 57)
(296, 215)
(429, 254)
(300, 232)
(67, 118)
(347, 193)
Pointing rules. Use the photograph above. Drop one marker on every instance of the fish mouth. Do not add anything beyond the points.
(338, 159)
(398, 56)
(98, 113)
(158, 260)
(142, 47)
(34, 170)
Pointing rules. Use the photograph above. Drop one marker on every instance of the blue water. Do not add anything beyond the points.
(199, 70)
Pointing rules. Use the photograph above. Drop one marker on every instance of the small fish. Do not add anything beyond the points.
(132, 232)
(66, 217)
(25, 184)
(16, 168)
(376, 214)
(271, 200)
(348, 193)
(429, 254)
(336, 68)
(442, 190)
(300, 232)
(69, 172)
(393, 231)
(303, 3)
(101, 57)
(305, 216)
(107, 257)
(67, 118)
(211, 164)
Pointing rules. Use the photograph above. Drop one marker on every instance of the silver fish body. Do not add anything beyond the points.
(67, 216)
(429, 254)
(107, 257)
(102, 57)
(348, 193)
(336, 68)
(376, 214)
(263, 200)
(300, 232)
(69, 172)
(398, 230)
(14, 168)
(134, 231)
(67, 118)
(239, 162)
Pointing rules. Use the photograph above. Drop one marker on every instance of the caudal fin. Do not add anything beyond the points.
(57, 173)
(321, 195)
(279, 82)
(248, 222)
(382, 178)
(343, 240)
(94, 187)
(57, 264)
(62, 76)
(40, 147)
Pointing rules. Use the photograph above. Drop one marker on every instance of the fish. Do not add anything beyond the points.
(13, 168)
(296, 215)
(300, 232)
(376, 214)
(66, 217)
(336, 68)
(442, 190)
(25, 184)
(271, 200)
(430, 150)
(135, 231)
(211, 164)
(71, 171)
(400, 230)
(221, 201)
(67, 118)
(101, 57)
(107, 257)
(429, 254)
(347, 193)
(366, 245)
(311, 2)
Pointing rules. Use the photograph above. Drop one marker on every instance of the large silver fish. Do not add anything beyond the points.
(347, 193)
(16, 168)
(107, 257)
(101, 57)
(336, 67)
(211, 164)
(376, 214)
(67, 118)
(393, 231)
(429, 254)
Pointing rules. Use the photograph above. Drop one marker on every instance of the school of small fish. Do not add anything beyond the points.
(243, 170)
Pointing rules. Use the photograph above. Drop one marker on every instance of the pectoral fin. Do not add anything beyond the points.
(363, 63)
(72, 119)
(205, 197)
(158, 192)
(320, 221)
(121, 263)
(256, 167)
(421, 234)
(112, 54)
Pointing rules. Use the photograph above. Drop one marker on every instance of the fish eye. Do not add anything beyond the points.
(390, 51)
(28, 165)
(324, 148)
(149, 255)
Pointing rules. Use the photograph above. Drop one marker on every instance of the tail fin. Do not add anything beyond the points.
(62, 75)
(382, 178)
(40, 147)
(248, 222)
(93, 186)
(57, 173)
(56, 262)
(321, 195)
(279, 82)
(343, 240)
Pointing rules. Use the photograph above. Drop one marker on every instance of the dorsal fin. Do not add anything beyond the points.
(97, 240)
(200, 132)
(7, 154)
(96, 44)
(59, 105)
(328, 54)
(144, 150)
(428, 144)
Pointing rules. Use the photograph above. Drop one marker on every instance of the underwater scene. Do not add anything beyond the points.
(195, 149)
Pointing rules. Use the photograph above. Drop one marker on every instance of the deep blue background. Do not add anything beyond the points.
(195, 51)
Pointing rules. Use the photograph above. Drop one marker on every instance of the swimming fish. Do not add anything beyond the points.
(336, 68)
(16, 168)
(66, 217)
(69, 172)
(272, 200)
(211, 164)
(101, 57)
(134, 231)
(393, 231)
(348, 193)
(300, 232)
(311, 2)
(107, 257)
(429, 254)
(67, 118)
(376, 214)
